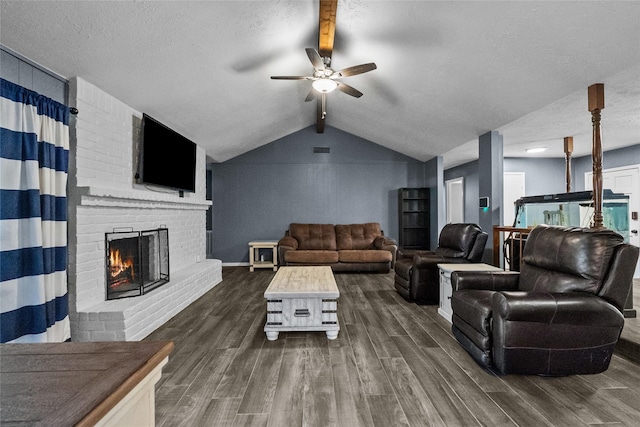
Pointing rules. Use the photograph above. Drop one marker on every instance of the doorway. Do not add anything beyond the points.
(513, 189)
(625, 180)
(455, 200)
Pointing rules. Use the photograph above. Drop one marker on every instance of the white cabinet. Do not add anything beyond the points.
(446, 289)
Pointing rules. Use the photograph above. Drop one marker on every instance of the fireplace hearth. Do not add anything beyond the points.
(137, 262)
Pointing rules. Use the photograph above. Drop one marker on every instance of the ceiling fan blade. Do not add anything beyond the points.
(327, 27)
(348, 90)
(357, 69)
(311, 95)
(290, 77)
(315, 58)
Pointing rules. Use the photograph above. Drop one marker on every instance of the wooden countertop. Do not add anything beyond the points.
(71, 383)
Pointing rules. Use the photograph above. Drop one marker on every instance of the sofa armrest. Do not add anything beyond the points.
(381, 242)
(556, 308)
(288, 241)
(285, 244)
(485, 280)
(387, 244)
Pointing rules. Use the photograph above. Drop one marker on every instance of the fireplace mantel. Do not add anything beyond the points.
(134, 198)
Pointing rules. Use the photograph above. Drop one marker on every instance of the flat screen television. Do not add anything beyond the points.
(167, 158)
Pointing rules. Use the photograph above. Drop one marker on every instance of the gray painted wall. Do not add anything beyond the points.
(258, 194)
(542, 175)
(434, 173)
(610, 159)
(490, 184)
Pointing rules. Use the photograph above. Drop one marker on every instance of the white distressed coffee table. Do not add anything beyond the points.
(302, 299)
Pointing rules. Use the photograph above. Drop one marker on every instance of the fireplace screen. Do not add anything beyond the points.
(137, 262)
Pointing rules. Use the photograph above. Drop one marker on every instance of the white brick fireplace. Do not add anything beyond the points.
(102, 197)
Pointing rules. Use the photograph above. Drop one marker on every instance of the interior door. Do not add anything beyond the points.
(455, 200)
(624, 180)
(513, 189)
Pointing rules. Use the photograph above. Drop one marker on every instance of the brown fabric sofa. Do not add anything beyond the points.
(350, 247)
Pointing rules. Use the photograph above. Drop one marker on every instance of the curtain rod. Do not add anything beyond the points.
(42, 68)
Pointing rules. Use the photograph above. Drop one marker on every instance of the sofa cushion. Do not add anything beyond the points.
(357, 236)
(311, 257)
(364, 255)
(314, 236)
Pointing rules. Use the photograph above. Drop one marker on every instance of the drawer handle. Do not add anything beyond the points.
(302, 312)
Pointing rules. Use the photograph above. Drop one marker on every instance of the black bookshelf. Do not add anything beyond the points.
(414, 218)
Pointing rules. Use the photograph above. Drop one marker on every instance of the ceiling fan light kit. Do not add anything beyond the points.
(324, 85)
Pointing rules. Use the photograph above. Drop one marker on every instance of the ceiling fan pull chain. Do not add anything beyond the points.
(324, 106)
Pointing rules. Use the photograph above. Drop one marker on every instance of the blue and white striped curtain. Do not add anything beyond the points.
(34, 160)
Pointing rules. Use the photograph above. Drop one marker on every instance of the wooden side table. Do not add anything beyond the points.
(257, 260)
(81, 383)
(446, 288)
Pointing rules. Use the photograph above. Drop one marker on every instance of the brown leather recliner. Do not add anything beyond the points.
(560, 315)
(416, 272)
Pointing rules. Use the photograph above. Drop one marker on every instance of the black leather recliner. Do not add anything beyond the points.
(560, 315)
(416, 272)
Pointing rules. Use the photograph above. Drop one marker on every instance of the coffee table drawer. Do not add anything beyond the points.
(302, 312)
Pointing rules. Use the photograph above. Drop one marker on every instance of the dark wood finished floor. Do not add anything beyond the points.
(393, 364)
(631, 330)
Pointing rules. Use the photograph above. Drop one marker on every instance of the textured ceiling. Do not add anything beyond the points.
(448, 71)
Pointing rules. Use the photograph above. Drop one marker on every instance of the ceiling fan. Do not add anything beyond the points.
(324, 78)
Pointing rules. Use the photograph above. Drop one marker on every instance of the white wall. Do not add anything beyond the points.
(103, 196)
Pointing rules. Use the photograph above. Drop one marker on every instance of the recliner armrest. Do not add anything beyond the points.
(485, 280)
(409, 254)
(556, 308)
(429, 260)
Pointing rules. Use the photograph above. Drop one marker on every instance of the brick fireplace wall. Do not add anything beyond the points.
(103, 196)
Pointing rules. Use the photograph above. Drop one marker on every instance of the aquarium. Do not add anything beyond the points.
(573, 209)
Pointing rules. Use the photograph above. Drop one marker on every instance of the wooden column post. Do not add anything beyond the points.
(568, 149)
(596, 103)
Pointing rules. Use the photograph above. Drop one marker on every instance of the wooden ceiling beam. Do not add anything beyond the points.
(326, 36)
(327, 27)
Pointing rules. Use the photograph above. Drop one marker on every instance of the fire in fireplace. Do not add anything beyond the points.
(136, 262)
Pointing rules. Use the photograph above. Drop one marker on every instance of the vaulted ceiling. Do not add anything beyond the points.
(447, 71)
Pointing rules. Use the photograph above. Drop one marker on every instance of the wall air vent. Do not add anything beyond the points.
(321, 149)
